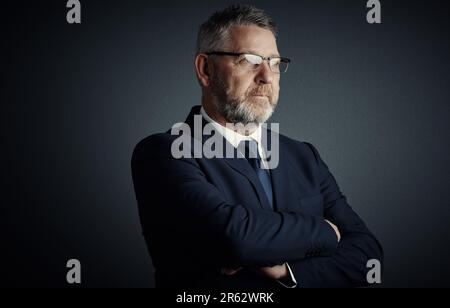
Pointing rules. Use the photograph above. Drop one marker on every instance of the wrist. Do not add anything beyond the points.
(284, 272)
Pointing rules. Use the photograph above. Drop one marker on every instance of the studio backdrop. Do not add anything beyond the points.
(77, 97)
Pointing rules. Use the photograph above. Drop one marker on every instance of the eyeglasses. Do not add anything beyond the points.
(253, 62)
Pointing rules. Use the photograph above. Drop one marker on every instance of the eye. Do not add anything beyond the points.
(275, 62)
(242, 60)
(253, 59)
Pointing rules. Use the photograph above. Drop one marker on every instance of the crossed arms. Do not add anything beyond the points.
(322, 252)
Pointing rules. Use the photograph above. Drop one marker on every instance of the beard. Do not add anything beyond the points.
(246, 109)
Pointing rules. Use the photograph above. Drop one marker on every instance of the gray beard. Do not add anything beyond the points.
(236, 110)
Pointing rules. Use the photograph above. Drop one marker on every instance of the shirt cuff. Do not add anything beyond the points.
(288, 282)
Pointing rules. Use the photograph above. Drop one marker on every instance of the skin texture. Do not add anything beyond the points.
(225, 82)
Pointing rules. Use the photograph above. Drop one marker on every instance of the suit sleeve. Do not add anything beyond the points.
(167, 186)
(347, 266)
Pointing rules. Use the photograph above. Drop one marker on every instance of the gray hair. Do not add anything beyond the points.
(214, 33)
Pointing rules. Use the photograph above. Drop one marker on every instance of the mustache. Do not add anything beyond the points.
(265, 90)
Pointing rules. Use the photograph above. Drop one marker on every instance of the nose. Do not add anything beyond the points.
(265, 74)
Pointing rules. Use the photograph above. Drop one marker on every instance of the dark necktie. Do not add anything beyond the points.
(250, 150)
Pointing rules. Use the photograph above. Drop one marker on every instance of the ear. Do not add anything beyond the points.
(203, 69)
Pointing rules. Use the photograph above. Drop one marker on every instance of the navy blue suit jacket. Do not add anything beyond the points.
(199, 215)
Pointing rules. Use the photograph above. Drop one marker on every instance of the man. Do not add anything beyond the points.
(233, 222)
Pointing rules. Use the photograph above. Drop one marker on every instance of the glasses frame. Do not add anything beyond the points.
(235, 54)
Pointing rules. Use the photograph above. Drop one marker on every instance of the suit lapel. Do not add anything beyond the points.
(281, 182)
(240, 165)
(281, 175)
(287, 182)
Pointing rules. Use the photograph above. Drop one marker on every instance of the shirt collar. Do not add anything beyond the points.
(235, 138)
(230, 135)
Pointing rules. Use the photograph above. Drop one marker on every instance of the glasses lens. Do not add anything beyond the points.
(279, 66)
(252, 61)
(275, 65)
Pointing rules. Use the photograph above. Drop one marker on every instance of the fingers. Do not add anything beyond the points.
(230, 271)
(336, 230)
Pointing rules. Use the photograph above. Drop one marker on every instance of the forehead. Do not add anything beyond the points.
(253, 39)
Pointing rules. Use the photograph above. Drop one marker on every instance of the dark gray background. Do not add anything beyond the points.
(77, 98)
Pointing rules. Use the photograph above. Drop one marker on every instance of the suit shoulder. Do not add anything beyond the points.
(299, 147)
(154, 144)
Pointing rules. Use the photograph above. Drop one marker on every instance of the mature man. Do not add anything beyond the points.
(236, 222)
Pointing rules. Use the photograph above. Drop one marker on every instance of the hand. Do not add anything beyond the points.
(338, 234)
(230, 271)
(276, 272)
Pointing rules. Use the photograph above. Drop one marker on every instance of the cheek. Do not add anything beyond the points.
(276, 82)
(241, 85)
(276, 93)
(276, 88)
